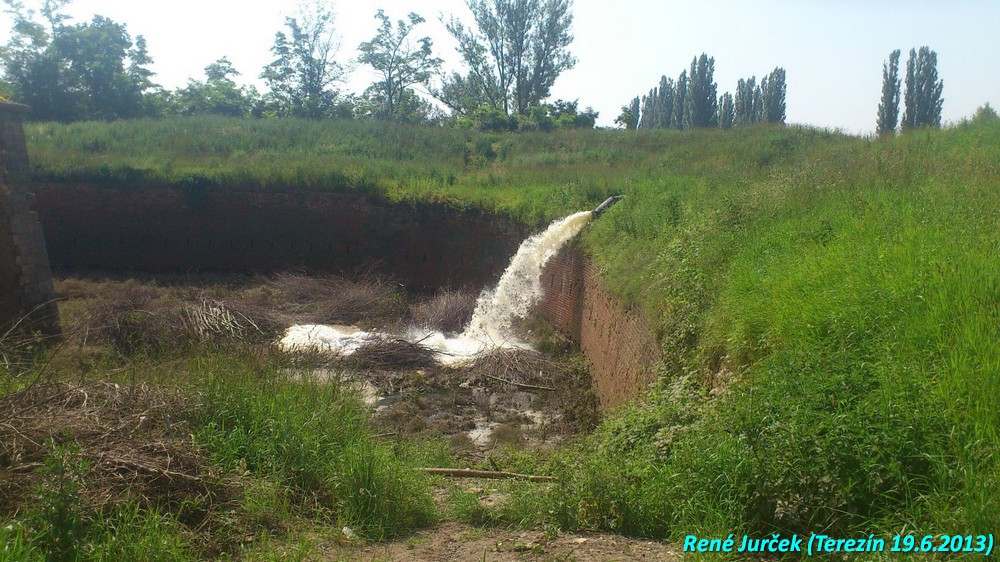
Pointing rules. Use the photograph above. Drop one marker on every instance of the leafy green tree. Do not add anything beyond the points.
(400, 63)
(985, 114)
(567, 115)
(922, 98)
(514, 54)
(465, 94)
(773, 92)
(700, 101)
(680, 94)
(726, 111)
(664, 103)
(69, 72)
(888, 107)
(217, 95)
(629, 117)
(650, 110)
(303, 72)
(744, 110)
(758, 101)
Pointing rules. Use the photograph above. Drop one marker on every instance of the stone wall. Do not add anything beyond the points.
(615, 340)
(169, 230)
(26, 293)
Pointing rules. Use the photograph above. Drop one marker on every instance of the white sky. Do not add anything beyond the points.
(832, 50)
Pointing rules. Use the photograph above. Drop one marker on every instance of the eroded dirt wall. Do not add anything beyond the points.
(616, 341)
(155, 229)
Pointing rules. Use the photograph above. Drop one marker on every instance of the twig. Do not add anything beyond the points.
(150, 470)
(467, 473)
(522, 385)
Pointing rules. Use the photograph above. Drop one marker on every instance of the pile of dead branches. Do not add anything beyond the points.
(448, 311)
(132, 442)
(132, 318)
(383, 352)
(523, 368)
(284, 299)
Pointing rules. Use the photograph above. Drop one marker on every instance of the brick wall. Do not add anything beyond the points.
(26, 293)
(168, 230)
(615, 340)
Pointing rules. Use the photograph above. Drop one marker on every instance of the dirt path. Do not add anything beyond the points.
(458, 542)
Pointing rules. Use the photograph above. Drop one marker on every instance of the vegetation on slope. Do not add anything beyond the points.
(827, 305)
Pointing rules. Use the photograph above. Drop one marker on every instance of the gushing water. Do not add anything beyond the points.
(492, 322)
(520, 286)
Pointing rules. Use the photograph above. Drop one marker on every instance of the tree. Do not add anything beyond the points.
(629, 117)
(744, 110)
(922, 97)
(985, 114)
(773, 91)
(515, 53)
(726, 111)
(888, 107)
(648, 113)
(664, 103)
(680, 92)
(700, 102)
(217, 95)
(566, 115)
(301, 76)
(400, 63)
(68, 72)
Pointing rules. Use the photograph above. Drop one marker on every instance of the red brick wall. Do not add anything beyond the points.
(616, 341)
(155, 229)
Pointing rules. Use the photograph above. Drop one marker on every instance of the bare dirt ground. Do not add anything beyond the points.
(459, 542)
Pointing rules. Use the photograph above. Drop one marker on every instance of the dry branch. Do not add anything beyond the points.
(467, 473)
(522, 385)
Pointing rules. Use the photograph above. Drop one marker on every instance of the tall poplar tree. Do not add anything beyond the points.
(726, 111)
(744, 111)
(680, 92)
(888, 107)
(773, 91)
(664, 103)
(923, 90)
(700, 96)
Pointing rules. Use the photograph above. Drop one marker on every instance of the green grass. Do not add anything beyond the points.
(314, 439)
(827, 306)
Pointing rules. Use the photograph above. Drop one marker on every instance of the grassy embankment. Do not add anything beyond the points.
(827, 305)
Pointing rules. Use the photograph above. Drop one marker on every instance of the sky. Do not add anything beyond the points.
(832, 50)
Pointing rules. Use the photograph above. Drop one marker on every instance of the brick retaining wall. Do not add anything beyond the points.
(615, 340)
(26, 293)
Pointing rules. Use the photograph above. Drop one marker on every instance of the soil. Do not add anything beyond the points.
(456, 541)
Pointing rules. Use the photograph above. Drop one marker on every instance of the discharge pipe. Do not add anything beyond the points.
(607, 205)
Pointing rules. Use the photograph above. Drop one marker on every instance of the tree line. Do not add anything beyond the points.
(692, 101)
(922, 101)
(513, 52)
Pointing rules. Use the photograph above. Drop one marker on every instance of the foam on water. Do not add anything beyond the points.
(492, 322)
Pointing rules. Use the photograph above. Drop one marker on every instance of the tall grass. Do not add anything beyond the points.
(313, 439)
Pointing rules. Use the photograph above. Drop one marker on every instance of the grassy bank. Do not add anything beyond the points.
(827, 305)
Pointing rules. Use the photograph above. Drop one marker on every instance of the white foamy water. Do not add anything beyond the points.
(491, 326)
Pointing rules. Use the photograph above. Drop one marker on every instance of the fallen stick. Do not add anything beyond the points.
(521, 385)
(467, 473)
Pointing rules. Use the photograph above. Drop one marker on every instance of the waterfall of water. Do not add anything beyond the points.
(491, 326)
